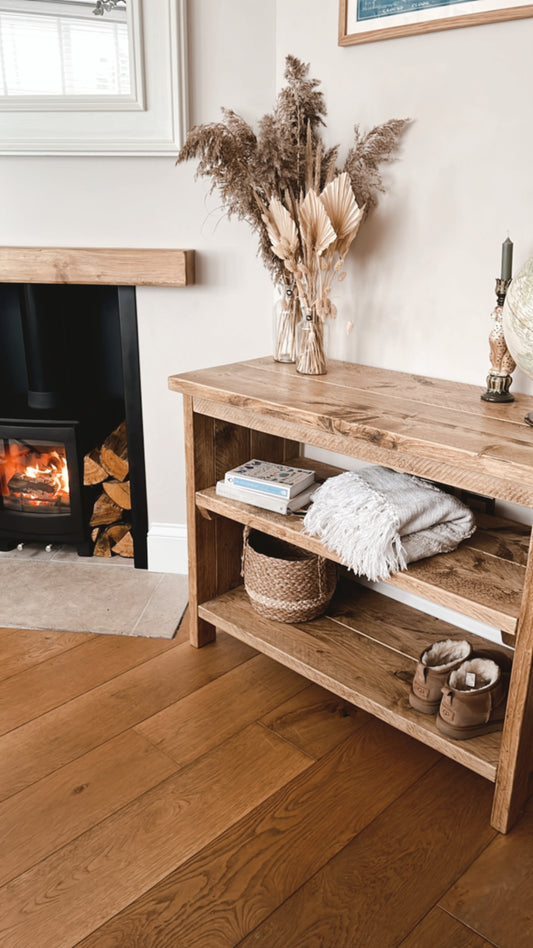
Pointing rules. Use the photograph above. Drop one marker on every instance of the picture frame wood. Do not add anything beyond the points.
(367, 21)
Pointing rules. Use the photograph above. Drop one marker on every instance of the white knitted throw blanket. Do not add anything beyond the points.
(377, 520)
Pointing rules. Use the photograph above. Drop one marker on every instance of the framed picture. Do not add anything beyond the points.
(365, 21)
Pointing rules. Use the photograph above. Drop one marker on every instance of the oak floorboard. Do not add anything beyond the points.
(235, 882)
(52, 812)
(501, 876)
(185, 730)
(59, 901)
(43, 745)
(382, 883)
(73, 672)
(228, 888)
(21, 649)
(440, 930)
(182, 632)
(315, 720)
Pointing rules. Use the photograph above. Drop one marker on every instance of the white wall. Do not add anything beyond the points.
(420, 284)
(422, 271)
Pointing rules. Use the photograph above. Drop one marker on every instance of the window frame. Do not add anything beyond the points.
(151, 120)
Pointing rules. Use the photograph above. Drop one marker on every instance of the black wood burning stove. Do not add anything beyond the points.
(69, 374)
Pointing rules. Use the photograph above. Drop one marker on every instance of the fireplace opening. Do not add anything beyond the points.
(69, 375)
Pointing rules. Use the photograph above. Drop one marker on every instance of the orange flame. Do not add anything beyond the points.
(34, 464)
(54, 468)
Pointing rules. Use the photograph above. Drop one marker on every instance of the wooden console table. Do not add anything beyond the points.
(366, 648)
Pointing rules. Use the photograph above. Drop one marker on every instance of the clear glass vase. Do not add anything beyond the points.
(311, 345)
(285, 320)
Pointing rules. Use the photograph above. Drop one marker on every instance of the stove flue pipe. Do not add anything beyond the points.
(42, 345)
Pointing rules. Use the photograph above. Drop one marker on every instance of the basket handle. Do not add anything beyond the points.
(321, 570)
(245, 535)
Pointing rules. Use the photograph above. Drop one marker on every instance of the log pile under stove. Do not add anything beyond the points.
(110, 520)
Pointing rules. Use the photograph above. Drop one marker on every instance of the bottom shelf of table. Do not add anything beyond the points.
(365, 650)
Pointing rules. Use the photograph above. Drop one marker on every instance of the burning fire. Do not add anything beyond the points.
(53, 468)
(33, 477)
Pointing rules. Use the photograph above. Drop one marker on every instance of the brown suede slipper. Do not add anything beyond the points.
(434, 666)
(473, 700)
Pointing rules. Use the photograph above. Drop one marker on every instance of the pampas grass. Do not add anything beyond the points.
(277, 180)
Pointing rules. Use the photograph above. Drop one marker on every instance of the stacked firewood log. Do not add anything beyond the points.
(108, 465)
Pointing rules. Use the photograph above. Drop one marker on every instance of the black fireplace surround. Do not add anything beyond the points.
(69, 374)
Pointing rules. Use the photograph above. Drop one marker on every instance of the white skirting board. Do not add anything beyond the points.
(167, 548)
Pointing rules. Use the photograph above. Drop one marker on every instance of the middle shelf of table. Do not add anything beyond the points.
(482, 579)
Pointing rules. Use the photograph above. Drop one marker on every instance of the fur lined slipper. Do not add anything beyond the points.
(432, 671)
(473, 700)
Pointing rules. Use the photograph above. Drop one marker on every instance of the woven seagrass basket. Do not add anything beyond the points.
(284, 582)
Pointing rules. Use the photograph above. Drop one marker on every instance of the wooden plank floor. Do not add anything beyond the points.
(158, 796)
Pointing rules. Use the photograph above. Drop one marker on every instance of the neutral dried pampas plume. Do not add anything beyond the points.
(285, 165)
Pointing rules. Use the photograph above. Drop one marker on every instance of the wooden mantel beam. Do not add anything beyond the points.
(112, 267)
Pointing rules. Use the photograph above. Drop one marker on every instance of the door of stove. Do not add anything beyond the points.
(41, 489)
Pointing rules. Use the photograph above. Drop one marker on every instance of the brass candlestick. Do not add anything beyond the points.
(501, 361)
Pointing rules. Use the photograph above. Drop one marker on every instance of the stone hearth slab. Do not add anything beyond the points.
(88, 595)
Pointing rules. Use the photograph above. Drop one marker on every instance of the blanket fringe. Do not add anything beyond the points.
(358, 524)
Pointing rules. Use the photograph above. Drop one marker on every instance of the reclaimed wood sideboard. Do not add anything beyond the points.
(366, 648)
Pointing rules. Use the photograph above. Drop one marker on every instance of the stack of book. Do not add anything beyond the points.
(276, 487)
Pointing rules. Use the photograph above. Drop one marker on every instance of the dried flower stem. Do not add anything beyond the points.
(311, 359)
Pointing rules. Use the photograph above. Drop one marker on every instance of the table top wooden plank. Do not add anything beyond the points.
(479, 436)
(459, 396)
(398, 387)
(341, 406)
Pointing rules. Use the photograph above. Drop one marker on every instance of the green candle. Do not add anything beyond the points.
(507, 259)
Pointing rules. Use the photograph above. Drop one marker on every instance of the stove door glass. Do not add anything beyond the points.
(34, 477)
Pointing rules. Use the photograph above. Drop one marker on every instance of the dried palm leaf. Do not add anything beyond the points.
(281, 230)
(315, 225)
(341, 207)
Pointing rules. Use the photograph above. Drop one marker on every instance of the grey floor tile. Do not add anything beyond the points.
(71, 596)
